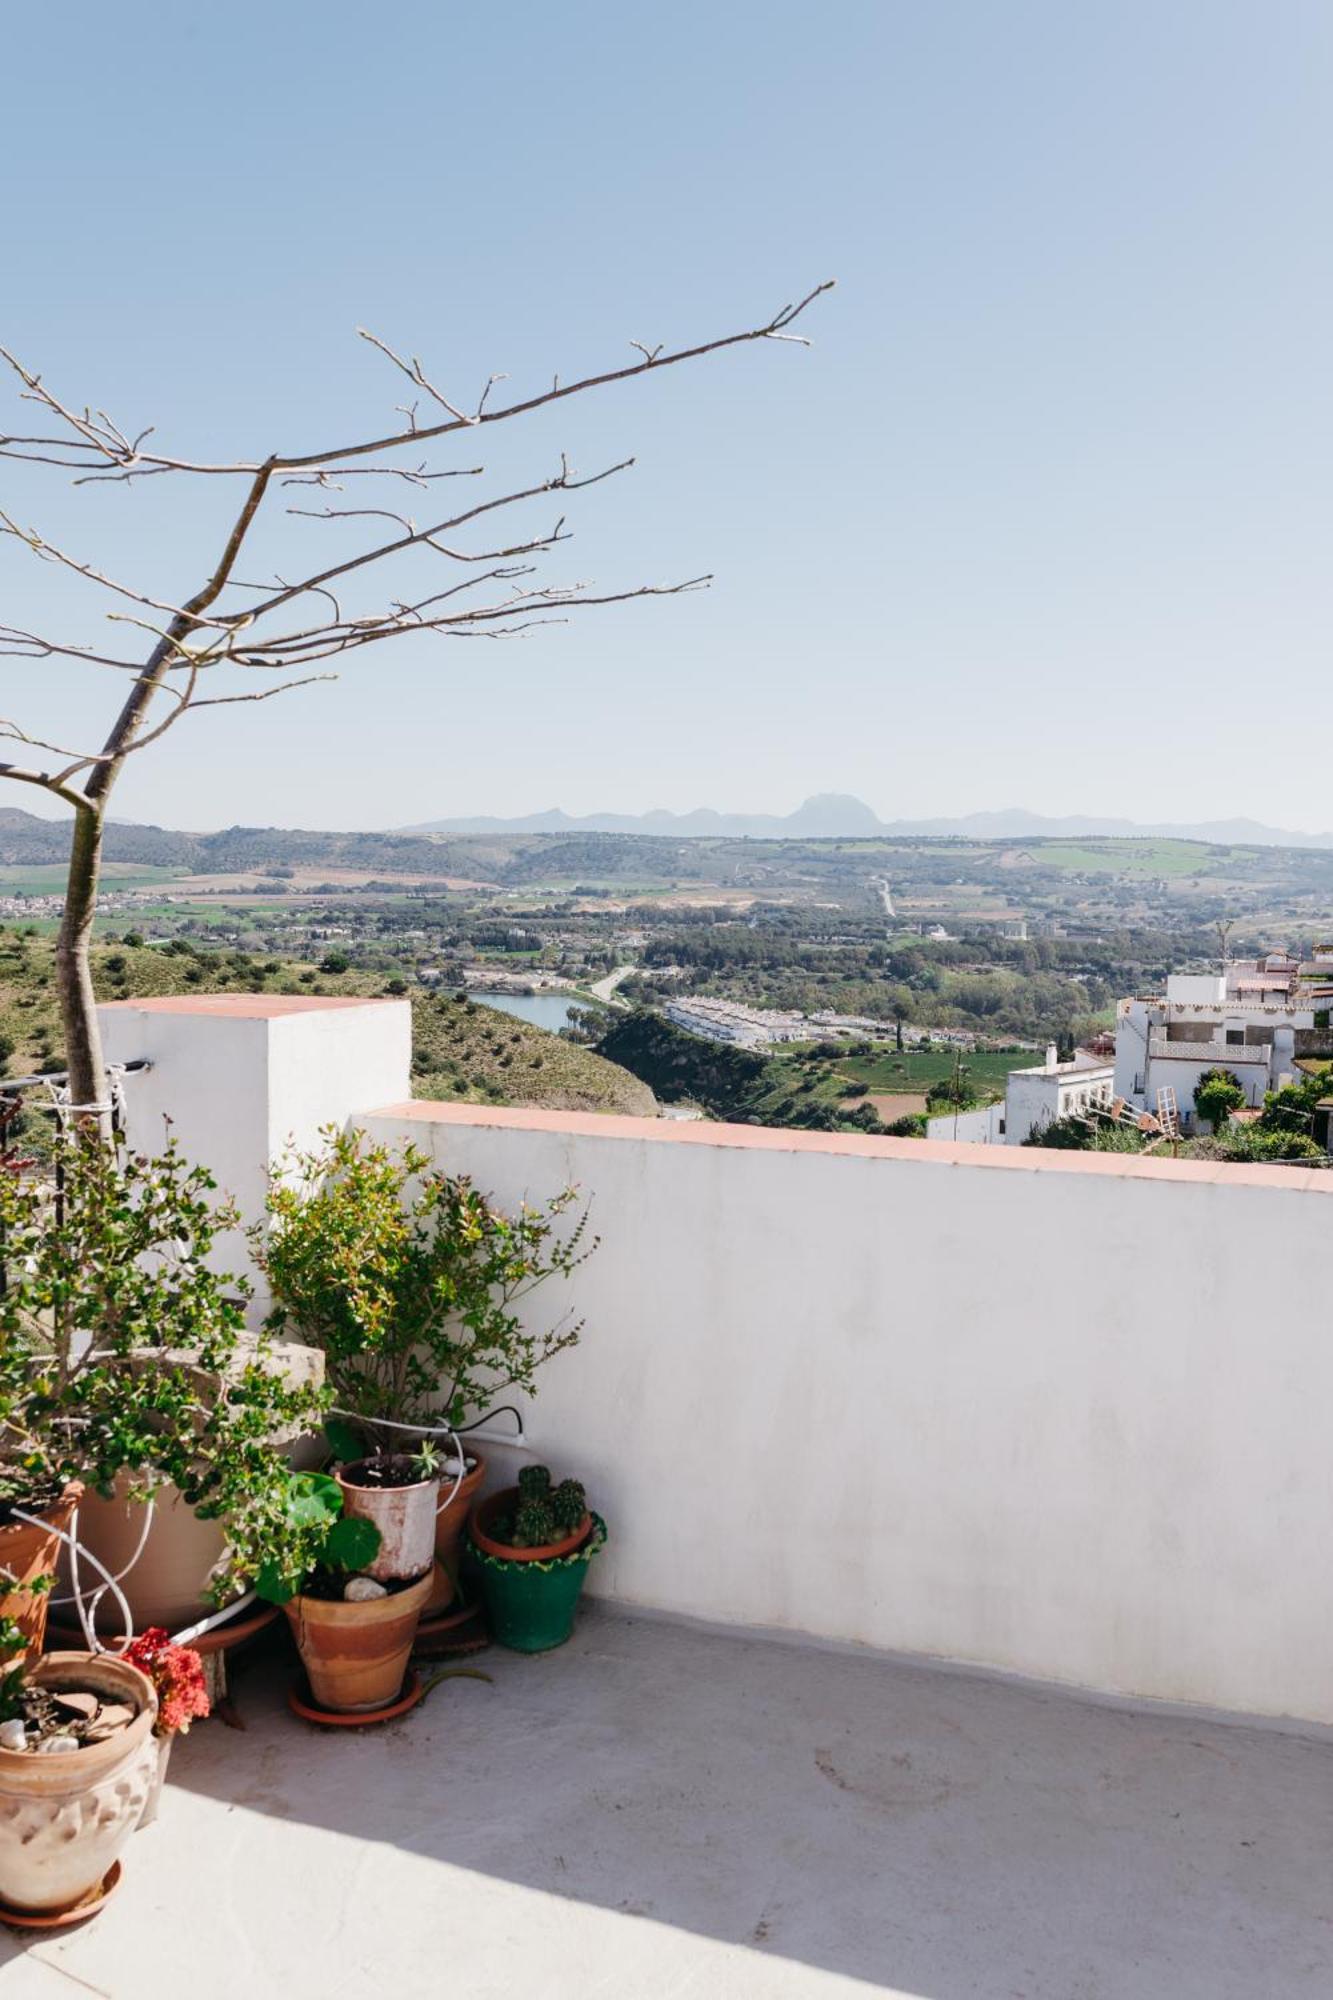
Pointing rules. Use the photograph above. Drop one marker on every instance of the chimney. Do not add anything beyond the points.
(1052, 1055)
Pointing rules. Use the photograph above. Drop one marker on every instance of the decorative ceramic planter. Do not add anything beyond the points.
(28, 1552)
(64, 1820)
(531, 1599)
(356, 1654)
(404, 1515)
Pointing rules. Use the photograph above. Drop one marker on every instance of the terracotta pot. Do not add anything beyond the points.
(63, 1820)
(168, 1584)
(356, 1654)
(505, 1502)
(451, 1521)
(26, 1553)
(404, 1515)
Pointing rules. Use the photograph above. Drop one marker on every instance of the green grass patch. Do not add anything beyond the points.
(1125, 857)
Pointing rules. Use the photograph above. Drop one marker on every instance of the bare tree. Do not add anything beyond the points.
(281, 629)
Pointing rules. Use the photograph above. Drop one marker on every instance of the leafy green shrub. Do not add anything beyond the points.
(411, 1280)
(1217, 1094)
(170, 1388)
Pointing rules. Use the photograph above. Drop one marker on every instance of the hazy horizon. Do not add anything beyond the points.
(1043, 516)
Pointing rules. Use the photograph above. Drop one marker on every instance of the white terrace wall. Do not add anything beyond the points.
(1064, 1414)
(242, 1077)
(1061, 1414)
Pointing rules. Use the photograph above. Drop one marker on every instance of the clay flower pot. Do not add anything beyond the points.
(530, 1595)
(404, 1515)
(29, 1552)
(451, 1521)
(505, 1502)
(356, 1654)
(64, 1820)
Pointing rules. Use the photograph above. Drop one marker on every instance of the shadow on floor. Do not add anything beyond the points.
(813, 1812)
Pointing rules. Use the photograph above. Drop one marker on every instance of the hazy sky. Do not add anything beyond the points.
(1045, 517)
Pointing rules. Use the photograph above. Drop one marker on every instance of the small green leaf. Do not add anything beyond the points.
(352, 1543)
(312, 1499)
(273, 1587)
(345, 1441)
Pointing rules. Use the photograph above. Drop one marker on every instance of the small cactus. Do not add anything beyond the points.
(544, 1513)
(568, 1505)
(534, 1482)
(534, 1525)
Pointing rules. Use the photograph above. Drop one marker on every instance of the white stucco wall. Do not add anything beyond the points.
(1061, 1414)
(241, 1077)
(983, 1127)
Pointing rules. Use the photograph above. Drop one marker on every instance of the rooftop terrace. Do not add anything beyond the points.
(853, 1409)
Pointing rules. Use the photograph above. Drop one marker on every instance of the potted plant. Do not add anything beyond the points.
(177, 1675)
(354, 1633)
(399, 1492)
(77, 1762)
(125, 1364)
(413, 1283)
(531, 1545)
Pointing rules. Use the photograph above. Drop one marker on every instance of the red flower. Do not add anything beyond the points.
(177, 1672)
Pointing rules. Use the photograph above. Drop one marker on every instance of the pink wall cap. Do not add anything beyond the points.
(247, 1006)
(859, 1145)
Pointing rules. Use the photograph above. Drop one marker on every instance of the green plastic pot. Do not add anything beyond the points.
(530, 1606)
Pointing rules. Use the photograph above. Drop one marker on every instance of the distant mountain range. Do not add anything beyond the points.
(835, 816)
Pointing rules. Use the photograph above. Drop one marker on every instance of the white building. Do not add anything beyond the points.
(1036, 1098)
(1201, 1023)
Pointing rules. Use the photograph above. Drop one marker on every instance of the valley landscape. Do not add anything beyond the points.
(935, 963)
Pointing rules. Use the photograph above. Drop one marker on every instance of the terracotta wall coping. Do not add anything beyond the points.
(249, 1006)
(858, 1145)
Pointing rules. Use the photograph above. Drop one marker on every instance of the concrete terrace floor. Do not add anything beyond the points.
(659, 1810)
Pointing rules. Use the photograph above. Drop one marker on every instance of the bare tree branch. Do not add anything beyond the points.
(189, 640)
(126, 457)
(48, 552)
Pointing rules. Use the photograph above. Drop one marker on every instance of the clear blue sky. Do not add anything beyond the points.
(1045, 517)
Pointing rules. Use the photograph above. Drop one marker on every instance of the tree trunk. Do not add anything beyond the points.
(74, 980)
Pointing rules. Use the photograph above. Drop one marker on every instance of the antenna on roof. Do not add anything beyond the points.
(1223, 933)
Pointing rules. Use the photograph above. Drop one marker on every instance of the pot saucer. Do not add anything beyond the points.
(300, 1702)
(54, 1920)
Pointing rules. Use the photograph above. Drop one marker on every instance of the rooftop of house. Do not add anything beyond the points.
(662, 1810)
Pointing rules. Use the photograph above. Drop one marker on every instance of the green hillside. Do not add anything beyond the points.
(459, 1050)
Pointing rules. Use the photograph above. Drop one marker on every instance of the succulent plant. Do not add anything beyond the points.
(568, 1505)
(534, 1482)
(544, 1513)
(534, 1525)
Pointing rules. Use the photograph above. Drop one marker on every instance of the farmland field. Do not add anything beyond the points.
(47, 878)
(1128, 857)
(918, 1069)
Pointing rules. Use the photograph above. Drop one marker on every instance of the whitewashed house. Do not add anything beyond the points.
(1202, 1022)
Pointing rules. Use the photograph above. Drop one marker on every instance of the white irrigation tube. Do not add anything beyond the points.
(511, 1443)
(73, 1597)
(418, 1430)
(197, 1631)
